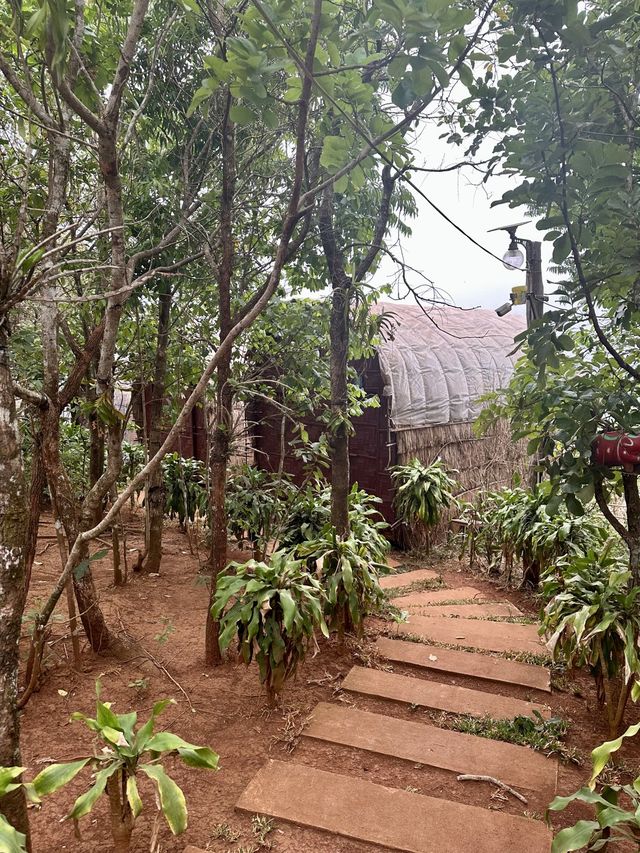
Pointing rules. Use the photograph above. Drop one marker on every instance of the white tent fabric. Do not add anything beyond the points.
(436, 367)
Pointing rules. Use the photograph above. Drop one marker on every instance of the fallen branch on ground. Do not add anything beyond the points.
(466, 777)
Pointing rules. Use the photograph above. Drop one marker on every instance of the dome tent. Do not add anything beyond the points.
(430, 372)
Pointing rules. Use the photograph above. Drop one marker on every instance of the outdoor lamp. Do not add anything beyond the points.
(513, 258)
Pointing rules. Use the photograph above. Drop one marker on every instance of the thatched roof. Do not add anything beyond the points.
(436, 367)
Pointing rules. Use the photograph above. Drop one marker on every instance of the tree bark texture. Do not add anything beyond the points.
(221, 440)
(13, 531)
(342, 289)
(155, 486)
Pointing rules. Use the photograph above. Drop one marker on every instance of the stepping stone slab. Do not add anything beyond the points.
(472, 633)
(466, 663)
(440, 697)
(362, 810)
(437, 596)
(448, 750)
(397, 581)
(472, 611)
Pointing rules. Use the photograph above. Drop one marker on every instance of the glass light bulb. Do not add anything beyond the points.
(513, 259)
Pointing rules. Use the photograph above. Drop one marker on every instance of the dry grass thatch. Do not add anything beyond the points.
(477, 462)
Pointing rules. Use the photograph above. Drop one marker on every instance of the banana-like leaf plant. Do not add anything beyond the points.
(616, 807)
(310, 516)
(423, 493)
(11, 841)
(351, 579)
(127, 753)
(273, 610)
(592, 619)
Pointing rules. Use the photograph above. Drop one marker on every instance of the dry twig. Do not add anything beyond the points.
(468, 777)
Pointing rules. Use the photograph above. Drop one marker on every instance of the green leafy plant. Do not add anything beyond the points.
(257, 504)
(74, 455)
(617, 807)
(185, 487)
(273, 610)
(11, 841)
(133, 459)
(543, 735)
(310, 517)
(126, 753)
(349, 576)
(423, 493)
(519, 525)
(593, 620)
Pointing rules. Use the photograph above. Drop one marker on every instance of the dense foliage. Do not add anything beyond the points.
(592, 619)
(185, 487)
(616, 807)
(349, 577)
(258, 503)
(309, 519)
(422, 494)
(520, 525)
(273, 611)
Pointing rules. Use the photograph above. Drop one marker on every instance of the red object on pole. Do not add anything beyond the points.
(617, 448)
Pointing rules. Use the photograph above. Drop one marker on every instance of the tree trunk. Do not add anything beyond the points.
(632, 500)
(342, 286)
(13, 533)
(96, 458)
(66, 509)
(121, 815)
(155, 488)
(339, 440)
(221, 441)
(36, 489)
(217, 500)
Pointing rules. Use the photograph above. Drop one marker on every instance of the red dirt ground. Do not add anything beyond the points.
(226, 710)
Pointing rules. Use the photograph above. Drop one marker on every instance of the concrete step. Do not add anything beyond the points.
(440, 697)
(426, 597)
(475, 634)
(397, 581)
(481, 610)
(475, 665)
(448, 750)
(400, 820)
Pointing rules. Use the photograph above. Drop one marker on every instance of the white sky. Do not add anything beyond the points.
(456, 266)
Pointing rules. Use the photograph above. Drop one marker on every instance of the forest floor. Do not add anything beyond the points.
(224, 708)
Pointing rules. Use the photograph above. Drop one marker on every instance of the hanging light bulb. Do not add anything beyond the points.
(513, 259)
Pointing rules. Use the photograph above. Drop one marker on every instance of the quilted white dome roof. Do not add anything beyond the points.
(437, 365)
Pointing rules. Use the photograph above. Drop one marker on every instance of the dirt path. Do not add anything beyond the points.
(167, 615)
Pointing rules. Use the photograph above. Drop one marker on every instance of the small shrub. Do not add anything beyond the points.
(273, 611)
(257, 504)
(349, 576)
(185, 487)
(593, 620)
(310, 516)
(125, 754)
(423, 492)
(543, 735)
(515, 525)
(613, 822)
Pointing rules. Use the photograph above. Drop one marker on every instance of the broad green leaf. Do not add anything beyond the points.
(241, 115)
(8, 777)
(172, 801)
(574, 837)
(11, 841)
(133, 796)
(601, 754)
(56, 776)
(86, 801)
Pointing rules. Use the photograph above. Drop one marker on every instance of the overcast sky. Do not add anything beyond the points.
(457, 267)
